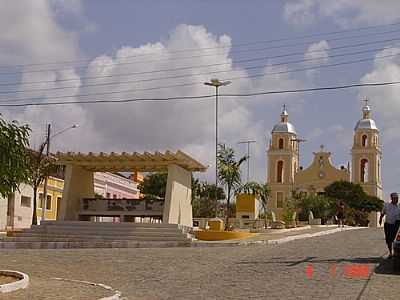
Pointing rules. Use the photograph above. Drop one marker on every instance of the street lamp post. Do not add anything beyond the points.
(47, 142)
(248, 156)
(216, 83)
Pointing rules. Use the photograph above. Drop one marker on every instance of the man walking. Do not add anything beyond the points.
(391, 226)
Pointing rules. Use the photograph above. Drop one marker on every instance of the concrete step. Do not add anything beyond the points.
(55, 229)
(55, 238)
(97, 233)
(92, 244)
(109, 224)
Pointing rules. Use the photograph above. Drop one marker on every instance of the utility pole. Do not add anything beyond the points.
(298, 141)
(216, 83)
(248, 156)
(44, 200)
(48, 138)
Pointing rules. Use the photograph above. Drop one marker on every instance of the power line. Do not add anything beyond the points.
(198, 83)
(198, 56)
(198, 66)
(223, 47)
(339, 87)
(200, 74)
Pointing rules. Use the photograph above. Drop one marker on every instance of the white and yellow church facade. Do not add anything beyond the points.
(284, 174)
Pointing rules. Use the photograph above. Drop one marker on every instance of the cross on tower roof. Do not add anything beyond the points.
(322, 148)
(366, 101)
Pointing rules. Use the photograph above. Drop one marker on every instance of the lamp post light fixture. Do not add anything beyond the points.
(216, 83)
(47, 143)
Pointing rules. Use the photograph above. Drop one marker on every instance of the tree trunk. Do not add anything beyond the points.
(265, 217)
(227, 208)
(34, 216)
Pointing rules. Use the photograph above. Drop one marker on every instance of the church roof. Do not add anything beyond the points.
(284, 127)
(366, 124)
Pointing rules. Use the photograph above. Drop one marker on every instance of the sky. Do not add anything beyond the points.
(113, 50)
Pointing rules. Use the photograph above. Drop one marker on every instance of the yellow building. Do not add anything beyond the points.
(55, 188)
(284, 174)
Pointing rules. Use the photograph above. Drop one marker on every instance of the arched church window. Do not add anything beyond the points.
(364, 170)
(280, 144)
(279, 177)
(364, 140)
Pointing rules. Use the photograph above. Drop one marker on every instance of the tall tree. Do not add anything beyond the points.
(40, 167)
(229, 173)
(154, 185)
(203, 199)
(14, 158)
(353, 196)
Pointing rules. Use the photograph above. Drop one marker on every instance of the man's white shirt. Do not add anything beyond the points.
(392, 212)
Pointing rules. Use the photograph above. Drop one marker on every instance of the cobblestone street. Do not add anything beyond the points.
(337, 266)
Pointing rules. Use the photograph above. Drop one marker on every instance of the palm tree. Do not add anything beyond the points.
(229, 173)
(262, 193)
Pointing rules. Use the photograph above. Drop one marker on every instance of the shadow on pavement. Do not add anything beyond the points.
(388, 267)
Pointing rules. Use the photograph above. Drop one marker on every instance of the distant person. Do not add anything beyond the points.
(340, 213)
(392, 212)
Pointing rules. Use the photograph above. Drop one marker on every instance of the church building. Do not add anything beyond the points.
(284, 174)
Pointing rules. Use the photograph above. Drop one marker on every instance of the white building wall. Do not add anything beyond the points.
(23, 214)
(3, 213)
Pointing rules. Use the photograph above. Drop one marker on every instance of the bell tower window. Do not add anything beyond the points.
(364, 170)
(280, 144)
(279, 175)
(364, 140)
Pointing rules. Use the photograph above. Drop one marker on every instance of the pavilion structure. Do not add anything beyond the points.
(79, 202)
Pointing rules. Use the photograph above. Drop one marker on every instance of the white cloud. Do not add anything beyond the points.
(344, 12)
(316, 54)
(145, 126)
(385, 100)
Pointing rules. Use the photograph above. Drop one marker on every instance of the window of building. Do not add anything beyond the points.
(114, 196)
(279, 199)
(280, 144)
(25, 201)
(364, 170)
(364, 140)
(108, 195)
(279, 177)
(48, 202)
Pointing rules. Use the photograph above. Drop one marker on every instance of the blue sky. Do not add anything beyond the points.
(103, 32)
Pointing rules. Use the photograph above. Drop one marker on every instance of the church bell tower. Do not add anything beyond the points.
(283, 163)
(367, 155)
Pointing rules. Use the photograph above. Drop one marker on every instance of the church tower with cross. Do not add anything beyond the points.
(367, 155)
(283, 161)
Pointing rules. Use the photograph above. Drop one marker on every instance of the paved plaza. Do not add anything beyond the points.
(336, 266)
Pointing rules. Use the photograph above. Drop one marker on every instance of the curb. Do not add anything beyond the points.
(22, 283)
(116, 296)
(275, 241)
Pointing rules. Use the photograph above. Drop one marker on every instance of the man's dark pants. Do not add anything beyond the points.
(390, 233)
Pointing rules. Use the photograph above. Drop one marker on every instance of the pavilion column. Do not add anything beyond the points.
(178, 197)
(78, 184)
